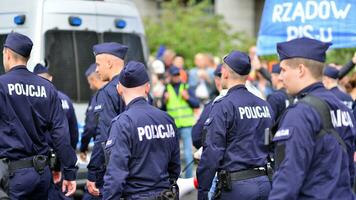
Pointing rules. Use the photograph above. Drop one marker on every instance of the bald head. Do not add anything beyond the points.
(107, 66)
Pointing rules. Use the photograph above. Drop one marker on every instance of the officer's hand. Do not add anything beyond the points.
(83, 156)
(93, 190)
(57, 176)
(185, 94)
(354, 58)
(69, 187)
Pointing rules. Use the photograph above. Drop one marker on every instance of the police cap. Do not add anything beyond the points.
(133, 75)
(90, 70)
(217, 71)
(303, 48)
(40, 69)
(174, 71)
(112, 48)
(331, 72)
(19, 43)
(276, 69)
(239, 62)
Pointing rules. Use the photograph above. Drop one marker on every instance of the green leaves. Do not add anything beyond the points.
(191, 29)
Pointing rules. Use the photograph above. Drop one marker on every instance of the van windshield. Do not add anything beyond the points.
(69, 53)
(2, 40)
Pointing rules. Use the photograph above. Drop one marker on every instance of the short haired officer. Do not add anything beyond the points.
(30, 108)
(330, 81)
(279, 100)
(234, 145)
(67, 105)
(90, 126)
(143, 143)
(309, 166)
(109, 58)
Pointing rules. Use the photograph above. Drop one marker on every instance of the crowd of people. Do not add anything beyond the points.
(285, 131)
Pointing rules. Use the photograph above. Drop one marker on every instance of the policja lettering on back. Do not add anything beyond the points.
(156, 131)
(254, 112)
(25, 123)
(27, 90)
(233, 147)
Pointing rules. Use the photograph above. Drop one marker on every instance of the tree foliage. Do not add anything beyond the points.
(191, 28)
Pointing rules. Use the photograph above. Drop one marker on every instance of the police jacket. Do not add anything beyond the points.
(144, 151)
(311, 167)
(108, 104)
(90, 126)
(345, 98)
(30, 109)
(278, 101)
(235, 136)
(68, 108)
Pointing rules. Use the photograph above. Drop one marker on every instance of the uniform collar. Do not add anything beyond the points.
(18, 67)
(136, 101)
(237, 87)
(115, 78)
(309, 89)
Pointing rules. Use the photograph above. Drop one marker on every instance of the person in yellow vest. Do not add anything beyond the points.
(179, 101)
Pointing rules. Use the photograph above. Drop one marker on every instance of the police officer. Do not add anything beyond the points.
(143, 143)
(330, 81)
(109, 59)
(311, 165)
(234, 145)
(197, 130)
(54, 192)
(90, 127)
(30, 108)
(67, 105)
(279, 100)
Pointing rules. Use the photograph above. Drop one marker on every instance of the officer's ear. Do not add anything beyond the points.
(147, 88)
(119, 89)
(301, 70)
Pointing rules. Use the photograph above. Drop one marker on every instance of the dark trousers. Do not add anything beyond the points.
(55, 192)
(88, 196)
(251, 189)
(28, 184)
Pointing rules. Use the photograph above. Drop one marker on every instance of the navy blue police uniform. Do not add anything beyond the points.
(30, 109)
(90, 126)
(279, 99)
(143, 146)
(67, 107)
(333, 73)
(197, 130)
(108, 105)
(311, 167)
(235, 140)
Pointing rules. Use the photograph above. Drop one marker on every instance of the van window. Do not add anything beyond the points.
(2, 40)
(135, 51)
(68, 54)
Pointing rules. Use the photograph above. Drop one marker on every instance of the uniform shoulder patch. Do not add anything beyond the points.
(109, 143)
(208, 121)
(283, 134)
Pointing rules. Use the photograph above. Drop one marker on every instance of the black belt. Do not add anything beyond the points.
(247, 174)
(38, 162)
